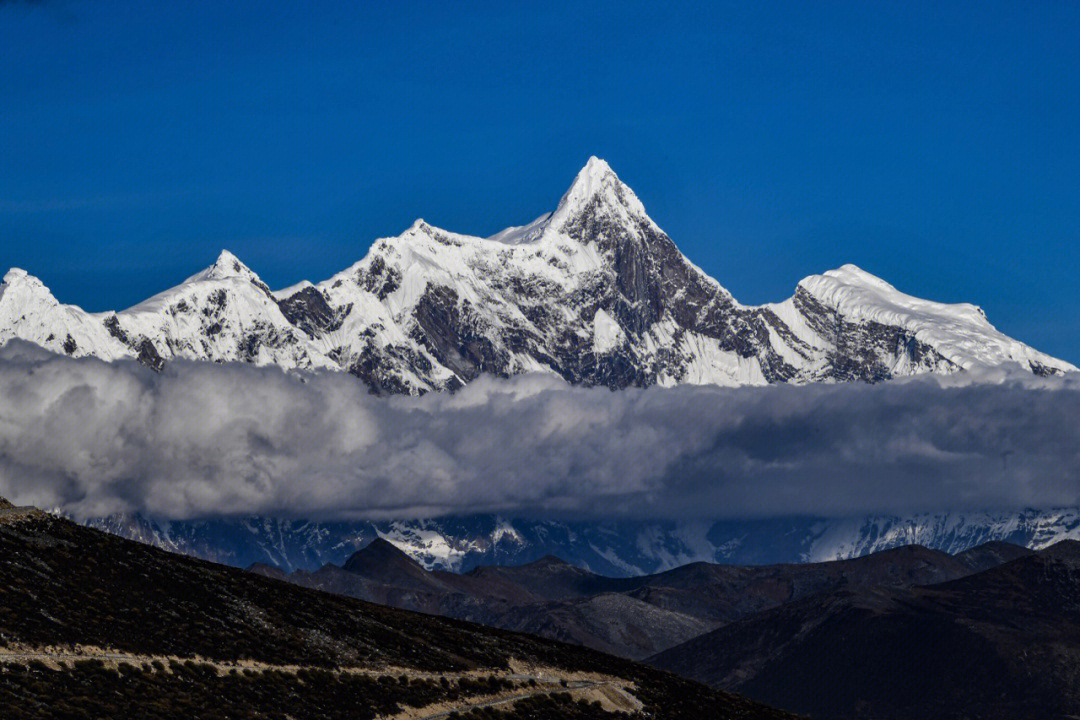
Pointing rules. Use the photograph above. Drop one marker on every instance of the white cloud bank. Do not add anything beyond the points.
(95, 438)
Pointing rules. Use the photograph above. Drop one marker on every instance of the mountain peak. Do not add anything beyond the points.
(22, 284)
(14, 275)
(228, 265)
(851, 289)
(423, 229)
(381, 559)
(589, 181)
(959, 332)
(854, 275)
(597, 183)
(18, 276)
(596, 167)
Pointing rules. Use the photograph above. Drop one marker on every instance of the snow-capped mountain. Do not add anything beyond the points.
(224, 313)
(595, 292)
(616, 548)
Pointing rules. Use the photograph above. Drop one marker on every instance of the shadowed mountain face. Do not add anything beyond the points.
(632, 617)
(549, 578)
(1001, 643)
(616, 623)
(66, 589)
(382, 562)
(991, 554)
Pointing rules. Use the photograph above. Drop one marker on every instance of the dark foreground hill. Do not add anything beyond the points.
(631, 617)
(1004, 643)
(94, 626)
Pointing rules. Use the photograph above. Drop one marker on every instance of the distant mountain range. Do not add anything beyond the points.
(632, 617)
(993, 631)
(616, 548)
(594, 292)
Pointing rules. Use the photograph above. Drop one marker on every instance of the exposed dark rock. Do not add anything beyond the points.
(308, 310)
(450, 333)
(380, 279)
(861, 349)
(112, 324)
(148, 356)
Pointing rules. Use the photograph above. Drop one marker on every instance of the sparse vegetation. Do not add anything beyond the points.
(64, 585)
(555, 706)
(194, 690)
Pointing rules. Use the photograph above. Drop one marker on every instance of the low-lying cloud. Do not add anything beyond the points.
(94, 438)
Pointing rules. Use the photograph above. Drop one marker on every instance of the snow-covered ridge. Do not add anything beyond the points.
(960, 332)
(616, 548)
(522, 234)
(593, 291)
(29, 311)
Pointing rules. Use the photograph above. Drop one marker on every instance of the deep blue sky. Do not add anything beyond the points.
(935, 144)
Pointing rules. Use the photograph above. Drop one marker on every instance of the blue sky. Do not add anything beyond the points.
(935, 144)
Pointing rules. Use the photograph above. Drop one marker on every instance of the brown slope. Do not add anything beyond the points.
(724, 593)
(615, 623)
(991, 554)
(63, 585)
(550, 578)
(1001, 643)
(555, 599)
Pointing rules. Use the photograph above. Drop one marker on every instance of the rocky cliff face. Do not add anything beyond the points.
(594, 292)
